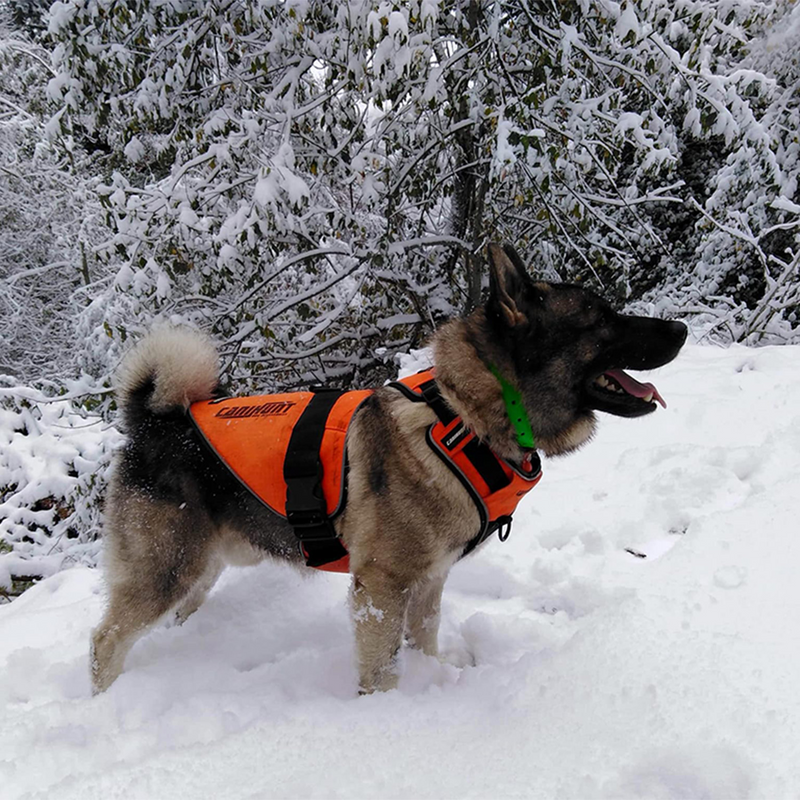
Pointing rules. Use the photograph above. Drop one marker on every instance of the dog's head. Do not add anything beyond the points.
(569, 349)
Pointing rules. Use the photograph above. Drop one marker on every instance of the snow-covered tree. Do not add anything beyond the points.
(313, 180)
(49, 220)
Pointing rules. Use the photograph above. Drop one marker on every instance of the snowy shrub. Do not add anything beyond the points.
(738, 265)
(54, 460)
(53, 453)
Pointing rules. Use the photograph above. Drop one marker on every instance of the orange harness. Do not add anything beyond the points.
(290, 451)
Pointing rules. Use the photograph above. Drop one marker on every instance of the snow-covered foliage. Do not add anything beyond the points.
(313, 182)
(49, 221)
(53, 465)
(744, 261)
(53, 450)
(309, 178)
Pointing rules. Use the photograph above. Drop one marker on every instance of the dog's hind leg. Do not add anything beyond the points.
(424, 610)
(379, 606)
(156, 558)
(130, 613)
(197, 594)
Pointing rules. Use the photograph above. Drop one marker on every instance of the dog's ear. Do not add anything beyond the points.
(508, 285)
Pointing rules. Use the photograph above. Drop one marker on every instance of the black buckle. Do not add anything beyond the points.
(304, 495)
(311, 528)
(503, 528)
(306, 509)
(433, 397)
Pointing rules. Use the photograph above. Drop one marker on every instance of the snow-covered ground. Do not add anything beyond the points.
(571, 668)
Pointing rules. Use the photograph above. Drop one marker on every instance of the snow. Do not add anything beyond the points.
(50, 455)
(627, 23)
(134, 150)
(398, 26)
(505, 153)
(570, 668)
(785, 204)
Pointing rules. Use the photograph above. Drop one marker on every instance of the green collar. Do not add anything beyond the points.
(515, 409)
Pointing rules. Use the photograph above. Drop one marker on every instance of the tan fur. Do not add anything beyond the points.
(401, 543)
(469, 387)
(188, 368)
(514, 317)
(424, 611)
(136, 570)
(401, 546)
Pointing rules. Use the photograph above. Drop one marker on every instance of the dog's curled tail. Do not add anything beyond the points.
(167, 371)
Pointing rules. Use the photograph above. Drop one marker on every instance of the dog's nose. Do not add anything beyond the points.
(678, 331)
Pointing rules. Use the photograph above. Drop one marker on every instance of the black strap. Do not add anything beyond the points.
(306, 509)
(433, 397)
(479, 454)
(485, 461)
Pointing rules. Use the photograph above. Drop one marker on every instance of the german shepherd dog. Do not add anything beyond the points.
(176, 515)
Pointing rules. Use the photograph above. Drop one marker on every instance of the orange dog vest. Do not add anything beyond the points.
(289, 450)
(251, 435)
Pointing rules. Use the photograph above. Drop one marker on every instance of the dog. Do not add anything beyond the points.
(175, 515)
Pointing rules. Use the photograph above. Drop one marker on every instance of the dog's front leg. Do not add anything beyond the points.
(379, 604)
(424, 610)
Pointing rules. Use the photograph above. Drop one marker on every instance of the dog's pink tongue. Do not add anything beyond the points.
(632, 386)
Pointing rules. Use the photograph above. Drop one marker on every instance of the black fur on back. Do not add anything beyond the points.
(167, 460)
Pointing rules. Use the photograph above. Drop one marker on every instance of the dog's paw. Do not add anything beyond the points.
(421, 672)
(457, 653)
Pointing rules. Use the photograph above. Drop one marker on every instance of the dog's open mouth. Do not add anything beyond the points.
(616, 392)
